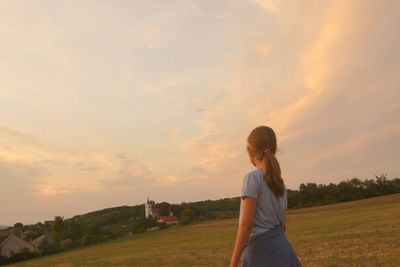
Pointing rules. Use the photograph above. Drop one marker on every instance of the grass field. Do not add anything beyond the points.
(358, 233)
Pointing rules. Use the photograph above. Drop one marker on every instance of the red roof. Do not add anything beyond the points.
(5, 232)
(155, 210)
(169, 218)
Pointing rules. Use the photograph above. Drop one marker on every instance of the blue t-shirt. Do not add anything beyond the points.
(270, 210)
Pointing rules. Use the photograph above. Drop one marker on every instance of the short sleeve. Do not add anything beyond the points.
(250, 187)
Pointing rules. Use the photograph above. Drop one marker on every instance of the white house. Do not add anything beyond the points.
(15, 244)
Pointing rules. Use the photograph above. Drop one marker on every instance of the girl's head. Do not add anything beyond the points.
(261, 147)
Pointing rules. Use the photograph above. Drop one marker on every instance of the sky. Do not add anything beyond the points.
(107, 103)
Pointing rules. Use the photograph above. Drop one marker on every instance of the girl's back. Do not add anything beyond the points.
(270, 211)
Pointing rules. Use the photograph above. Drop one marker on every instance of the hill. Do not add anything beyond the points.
(363, 232)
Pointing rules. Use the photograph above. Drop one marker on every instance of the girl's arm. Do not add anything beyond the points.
(244, 230)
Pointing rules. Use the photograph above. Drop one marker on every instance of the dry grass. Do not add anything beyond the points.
(358, 233)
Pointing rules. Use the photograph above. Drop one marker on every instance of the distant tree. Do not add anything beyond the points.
(292, 198)
(186, 216)
(18, 225)
(93, 233)
(33, 232)
(18, 229)
(164, 208)
(199, 211)
(75, 228)
(151, 222)
(309, 194)
(139, 224)
(39, 225)
(176, 209)
(59, 229)
(384, 185)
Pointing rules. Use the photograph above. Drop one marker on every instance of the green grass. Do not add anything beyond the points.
(358, 233)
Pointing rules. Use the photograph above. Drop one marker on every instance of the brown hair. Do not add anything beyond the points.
(260, 139)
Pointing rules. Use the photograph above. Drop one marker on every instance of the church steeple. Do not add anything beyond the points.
(148, 207)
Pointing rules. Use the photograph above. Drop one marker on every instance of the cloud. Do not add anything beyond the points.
(131, 175)
(349, 79)
(189, 82)
(329, 100)
(19, 180)
(49, 190)
(18, 186)
(268, 5)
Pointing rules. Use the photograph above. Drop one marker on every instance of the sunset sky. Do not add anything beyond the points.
(104, 103)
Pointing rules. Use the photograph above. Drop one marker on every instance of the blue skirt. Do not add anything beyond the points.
(270, 249)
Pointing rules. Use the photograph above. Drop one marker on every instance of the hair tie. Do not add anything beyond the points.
(266, 150)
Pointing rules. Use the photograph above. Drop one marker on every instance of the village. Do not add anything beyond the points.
(12, 243)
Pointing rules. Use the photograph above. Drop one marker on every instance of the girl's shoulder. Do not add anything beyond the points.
(255, 174)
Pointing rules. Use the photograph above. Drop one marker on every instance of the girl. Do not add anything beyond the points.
(262, 219)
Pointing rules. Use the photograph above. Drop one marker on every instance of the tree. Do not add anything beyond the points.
(18, 225)
(139, 225)
(164, 209)
(75, 228)
(59, 229)
(33, 232)
(186, 216)
(151, 222)
(39, 225)
(18, 229)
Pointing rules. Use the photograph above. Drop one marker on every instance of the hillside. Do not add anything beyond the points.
(362, 232)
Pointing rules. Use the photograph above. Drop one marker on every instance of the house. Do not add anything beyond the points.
(4, 234)
(168, 219)
(43, 241)
(14, 244)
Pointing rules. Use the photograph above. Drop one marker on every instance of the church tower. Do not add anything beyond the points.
(147, 208)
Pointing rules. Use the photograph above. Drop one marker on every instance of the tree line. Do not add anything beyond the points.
(312, 194)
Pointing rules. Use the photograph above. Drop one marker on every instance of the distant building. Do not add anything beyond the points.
(150, 210)
(43, 241)
(4, 233)
(168, 219)
(14, 244)
(155, 212)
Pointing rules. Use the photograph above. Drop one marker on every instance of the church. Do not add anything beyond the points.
(150, 210)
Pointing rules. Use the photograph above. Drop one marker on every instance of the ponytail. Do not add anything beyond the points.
(273, 174)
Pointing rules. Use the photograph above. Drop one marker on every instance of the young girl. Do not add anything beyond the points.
(262, 225)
